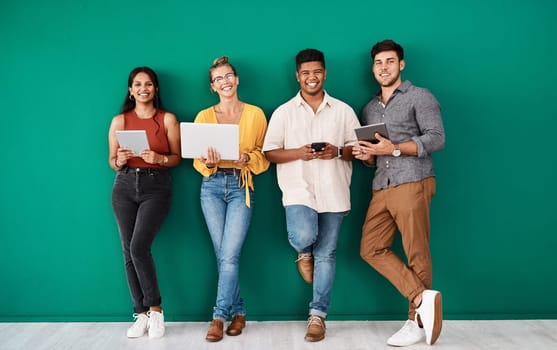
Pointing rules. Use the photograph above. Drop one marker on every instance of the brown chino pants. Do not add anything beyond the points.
(405, 207)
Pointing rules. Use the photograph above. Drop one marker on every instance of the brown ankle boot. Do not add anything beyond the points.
(215, 330)
(235, 327)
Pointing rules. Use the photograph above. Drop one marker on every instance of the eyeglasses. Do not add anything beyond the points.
(220, 79)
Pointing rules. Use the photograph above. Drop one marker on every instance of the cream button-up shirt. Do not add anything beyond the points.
(323, 185)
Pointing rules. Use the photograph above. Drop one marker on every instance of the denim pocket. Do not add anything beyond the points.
(120, 178)
(207, 178)
(161, 178)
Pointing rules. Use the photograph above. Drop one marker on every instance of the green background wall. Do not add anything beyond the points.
(63, 71)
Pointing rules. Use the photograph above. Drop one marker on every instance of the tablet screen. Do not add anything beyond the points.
(135, 140)
(367, 133)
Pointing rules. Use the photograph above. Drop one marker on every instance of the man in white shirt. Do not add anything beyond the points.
(314, 179)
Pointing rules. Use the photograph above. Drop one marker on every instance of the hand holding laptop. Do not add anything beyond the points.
(212, 159)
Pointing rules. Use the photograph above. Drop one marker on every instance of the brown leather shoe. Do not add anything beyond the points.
(316, 328)
(236, 325)
(305, 266)
(215, 330)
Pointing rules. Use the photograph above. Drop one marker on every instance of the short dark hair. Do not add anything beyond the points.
(387, 45)
(309, 55)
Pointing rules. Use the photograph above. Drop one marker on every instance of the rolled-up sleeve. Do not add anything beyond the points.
(428, 117)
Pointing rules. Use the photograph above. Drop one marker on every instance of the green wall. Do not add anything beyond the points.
(63, 71)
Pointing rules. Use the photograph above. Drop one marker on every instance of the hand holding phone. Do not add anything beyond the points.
(318, 146)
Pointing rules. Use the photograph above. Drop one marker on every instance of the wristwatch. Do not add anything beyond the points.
(339, 154)
(396, 151)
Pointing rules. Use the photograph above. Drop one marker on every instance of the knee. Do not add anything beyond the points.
(300, 242)
(372, 254)
(364, 253)
(139, 250)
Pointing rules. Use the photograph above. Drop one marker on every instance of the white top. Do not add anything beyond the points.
(323, 185)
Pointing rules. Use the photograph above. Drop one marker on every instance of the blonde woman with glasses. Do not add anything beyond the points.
(227, 192)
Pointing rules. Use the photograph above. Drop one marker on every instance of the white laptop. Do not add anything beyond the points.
(197, 137)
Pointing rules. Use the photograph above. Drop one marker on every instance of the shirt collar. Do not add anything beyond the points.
(401, 88)
(326, 99)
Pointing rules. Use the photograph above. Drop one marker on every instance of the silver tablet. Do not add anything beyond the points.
(135, 140)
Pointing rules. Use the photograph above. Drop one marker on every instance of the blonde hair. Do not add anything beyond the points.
(219, 62)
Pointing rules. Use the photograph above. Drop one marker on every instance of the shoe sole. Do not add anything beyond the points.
(213, 340)
(134, 336)
(310, 339)
(234, 333)
(438, 319)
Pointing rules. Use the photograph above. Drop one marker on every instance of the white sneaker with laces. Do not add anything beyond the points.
(156, 324)
(430, 313)
(139, 327)
(409, 334)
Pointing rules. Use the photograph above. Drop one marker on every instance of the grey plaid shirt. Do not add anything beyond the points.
(412, 113)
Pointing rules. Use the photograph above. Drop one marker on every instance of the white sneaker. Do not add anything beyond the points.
(139, 327)
(409, 334)
(431, 314)
(156, 324)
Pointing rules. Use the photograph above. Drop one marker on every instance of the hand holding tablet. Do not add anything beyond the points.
(134, 140)
(367, 133)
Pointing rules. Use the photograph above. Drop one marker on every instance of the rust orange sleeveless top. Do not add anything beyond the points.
(156, 135)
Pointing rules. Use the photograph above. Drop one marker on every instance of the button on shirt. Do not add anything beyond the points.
(321, 184)
(412, 113)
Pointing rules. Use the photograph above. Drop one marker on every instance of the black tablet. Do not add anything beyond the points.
(367, 133)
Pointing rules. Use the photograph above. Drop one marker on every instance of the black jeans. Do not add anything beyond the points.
(141, 201)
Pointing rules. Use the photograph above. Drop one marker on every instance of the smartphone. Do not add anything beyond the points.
(318, 146)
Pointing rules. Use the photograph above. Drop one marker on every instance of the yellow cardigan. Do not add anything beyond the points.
(252, 128)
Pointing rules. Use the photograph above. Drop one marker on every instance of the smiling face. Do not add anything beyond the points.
(386, 68)
(311, 77)
(224, 81)
(143, 88)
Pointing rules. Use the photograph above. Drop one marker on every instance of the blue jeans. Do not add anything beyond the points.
(141, 201)
(223, 203)
(316, 233)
